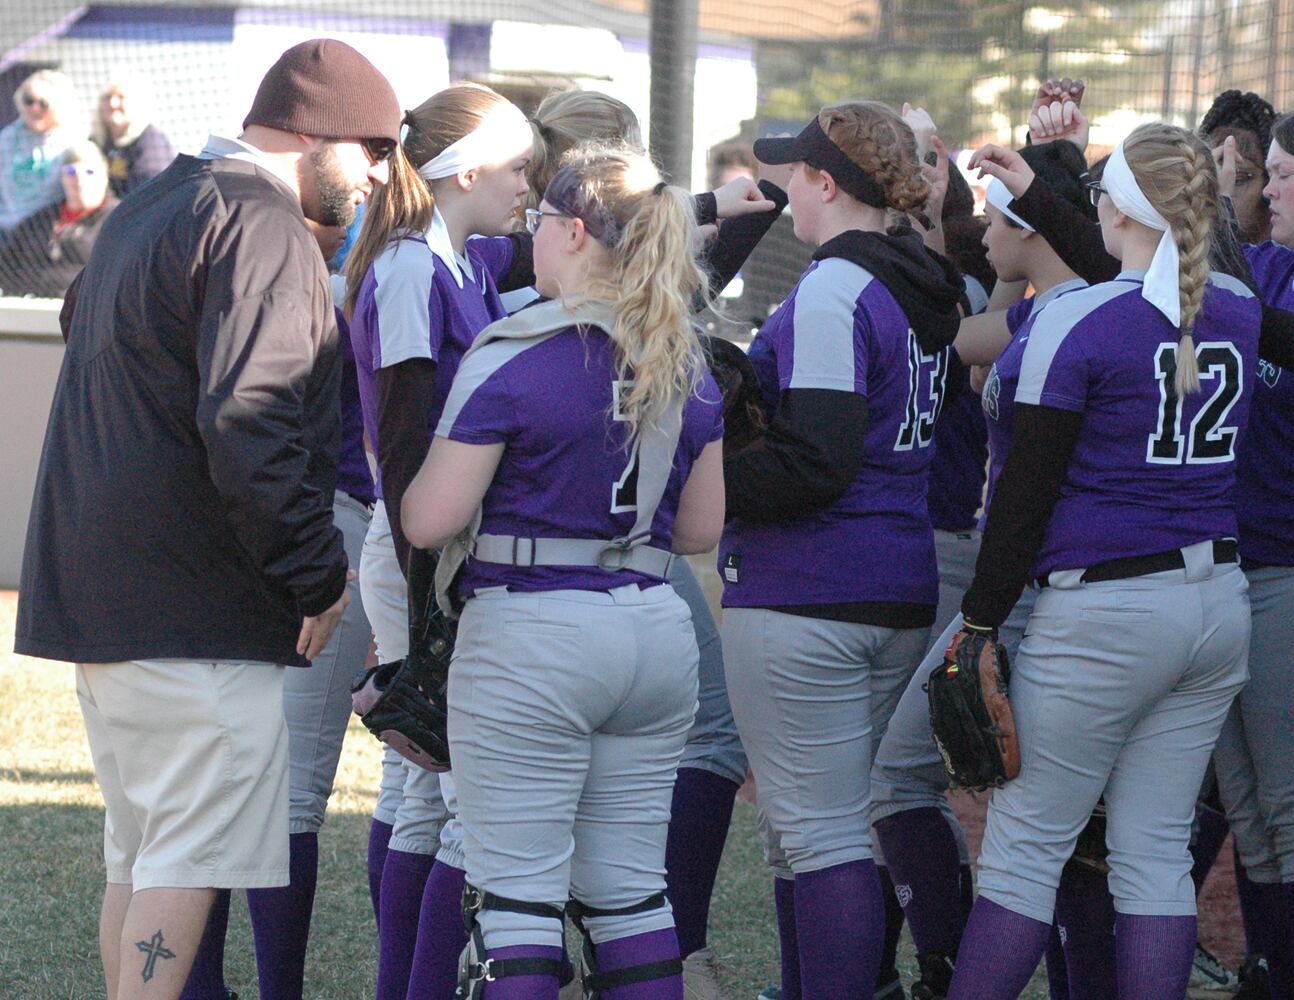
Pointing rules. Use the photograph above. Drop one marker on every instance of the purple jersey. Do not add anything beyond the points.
(841, 329)
(998, 398)
(353, 473)
(956, 483)
(565, 470)
(1151, 471)
(421, 301)
(1265, 467)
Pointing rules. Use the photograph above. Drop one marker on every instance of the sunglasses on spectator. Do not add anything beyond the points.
(378, 150)
(35, 102)
(74, 170)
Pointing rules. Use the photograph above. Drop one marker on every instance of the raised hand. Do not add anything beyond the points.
(740, 197)
(1058, 120)
(1056, 89)
(1225, 158)
(922, 125)
(1006, 165)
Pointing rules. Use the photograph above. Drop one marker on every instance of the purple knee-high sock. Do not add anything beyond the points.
(922, 857)
(403, 878)
(641, 949)
(281, 922)
(1211, 831)
(999, 952)
(1085, 911)
(784, 900)
(1154, 956)
(1057, 974)
(698, 829)
(379, 836)
(521, 987)
(441, 936)
(840, 927)
(207, 976)
(893, 921)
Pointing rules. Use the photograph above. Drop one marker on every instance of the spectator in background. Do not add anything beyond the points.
(45, 251)
(32, 148)
(136, 148)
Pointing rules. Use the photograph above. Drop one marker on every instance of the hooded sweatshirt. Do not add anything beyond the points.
(827, 509)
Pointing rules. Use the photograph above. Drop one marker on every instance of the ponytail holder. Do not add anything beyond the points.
(659, 189)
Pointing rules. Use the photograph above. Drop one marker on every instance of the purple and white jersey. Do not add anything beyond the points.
(998, 397)
(565, 470)
(1151, 471)
(841, 329)
(421, 300)
(1265, 467)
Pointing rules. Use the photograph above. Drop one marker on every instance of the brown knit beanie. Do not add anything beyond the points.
(325, 88)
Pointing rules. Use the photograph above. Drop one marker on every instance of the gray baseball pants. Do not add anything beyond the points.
(812, 698)
(1255, 765)
(1119, 688)
(568, 711)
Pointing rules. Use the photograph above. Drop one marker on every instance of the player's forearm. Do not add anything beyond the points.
(404, 398)
(804, 462)
(1075, 237)
(1042, 442)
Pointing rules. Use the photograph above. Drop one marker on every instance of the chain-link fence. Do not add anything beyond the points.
(698, 73)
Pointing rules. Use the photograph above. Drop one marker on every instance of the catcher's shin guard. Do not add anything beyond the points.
(595, 982)
(474, 968)
(404, 703)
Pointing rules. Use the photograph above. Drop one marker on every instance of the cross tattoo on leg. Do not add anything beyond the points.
(154, 949)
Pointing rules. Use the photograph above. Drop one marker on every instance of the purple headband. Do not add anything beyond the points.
(565, 195)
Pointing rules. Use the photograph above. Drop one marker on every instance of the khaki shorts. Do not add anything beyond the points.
(192, 760)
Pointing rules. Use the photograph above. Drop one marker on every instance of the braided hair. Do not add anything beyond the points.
(1235, 114)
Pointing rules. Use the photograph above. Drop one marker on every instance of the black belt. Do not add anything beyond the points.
(1224, 551)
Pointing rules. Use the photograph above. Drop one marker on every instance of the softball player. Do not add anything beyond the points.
(419, 293)
(913, 824)
(713, 766)
(589, 433)
(1132, 538)
(1255, 774)
(828, 561)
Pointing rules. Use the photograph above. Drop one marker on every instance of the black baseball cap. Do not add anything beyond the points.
(814, 147)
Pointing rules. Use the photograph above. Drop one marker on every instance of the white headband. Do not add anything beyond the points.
(1000, 198)
(503, 130)
(1161, 285)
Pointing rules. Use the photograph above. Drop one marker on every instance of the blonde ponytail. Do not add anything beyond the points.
(1175, 171)
(654, 276)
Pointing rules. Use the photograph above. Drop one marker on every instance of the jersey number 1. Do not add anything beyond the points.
(624, 491)
(1206, 441)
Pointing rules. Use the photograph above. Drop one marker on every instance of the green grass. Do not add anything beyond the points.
(51, 864)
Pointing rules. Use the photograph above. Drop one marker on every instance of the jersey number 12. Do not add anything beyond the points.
(1206, 441)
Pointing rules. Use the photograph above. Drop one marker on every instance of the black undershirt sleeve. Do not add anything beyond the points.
(1075, 237)
(707, 208)
(521, 272)
(1042, 443)
(805, 460)
(404, 398)
(737, 239)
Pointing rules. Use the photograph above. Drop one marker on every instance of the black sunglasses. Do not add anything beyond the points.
(35, 102)
(379, 150)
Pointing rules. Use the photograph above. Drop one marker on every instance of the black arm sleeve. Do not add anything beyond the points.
(738, 237)
(1276, 339)
(1042, 443)
(805, 460)
(521, 272)
(404, 397)
(707, 208)
(1075, 238)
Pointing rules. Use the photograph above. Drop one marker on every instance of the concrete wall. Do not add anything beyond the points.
(31, 351)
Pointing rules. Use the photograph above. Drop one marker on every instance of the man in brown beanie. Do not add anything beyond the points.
(181, 549)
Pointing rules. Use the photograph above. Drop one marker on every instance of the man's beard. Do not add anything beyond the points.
(332, 191)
